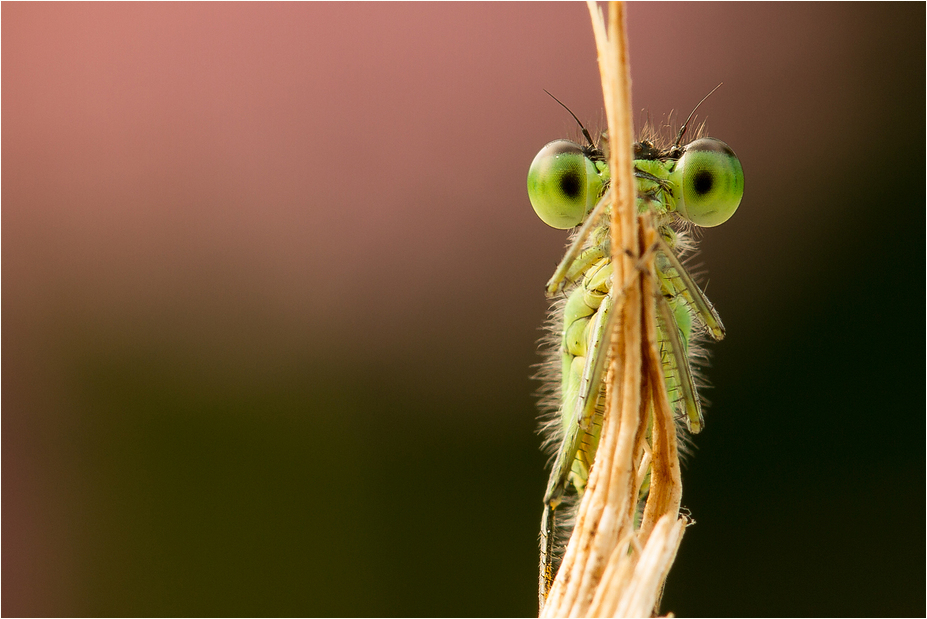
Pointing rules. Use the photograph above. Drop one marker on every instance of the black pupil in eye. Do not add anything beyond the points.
(702, 182)
(570, 184)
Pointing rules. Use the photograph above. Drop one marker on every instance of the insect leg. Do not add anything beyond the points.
(546, 577)
(676, 280)
(559, 278)
(676, 368)
(579, 421)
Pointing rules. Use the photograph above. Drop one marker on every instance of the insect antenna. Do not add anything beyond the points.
(585, 133)
(685, 125)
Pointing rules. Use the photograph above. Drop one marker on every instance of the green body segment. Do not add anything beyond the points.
(702, 184)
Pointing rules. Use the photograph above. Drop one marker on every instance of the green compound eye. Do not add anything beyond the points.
(712, 182)
(563, 184)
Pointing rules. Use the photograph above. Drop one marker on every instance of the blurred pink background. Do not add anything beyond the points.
(271, 287)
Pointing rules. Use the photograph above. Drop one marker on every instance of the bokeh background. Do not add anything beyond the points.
(272, 287)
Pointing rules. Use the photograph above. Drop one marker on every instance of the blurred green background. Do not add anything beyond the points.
(272, 287)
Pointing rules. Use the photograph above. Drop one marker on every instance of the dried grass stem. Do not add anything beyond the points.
(612, 568)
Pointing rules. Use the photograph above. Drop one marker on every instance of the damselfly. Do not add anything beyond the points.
(700, 183)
